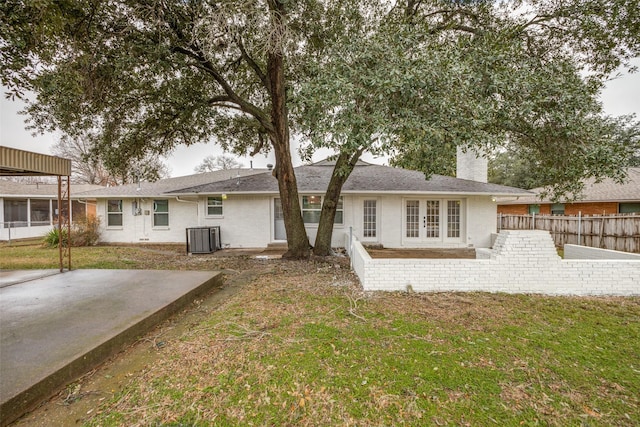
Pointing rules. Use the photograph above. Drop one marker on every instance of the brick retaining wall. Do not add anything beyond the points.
(521, 261)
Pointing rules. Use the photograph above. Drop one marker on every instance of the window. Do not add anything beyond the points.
(453, 218)
(312, 206)
(433, 218)
(160, 213)
(629, 207)
(557, 209)
(40, 212)
(534, 209)
(214, 206)
(78, 211)
(369, 221)
(16, 213)
(114, 213)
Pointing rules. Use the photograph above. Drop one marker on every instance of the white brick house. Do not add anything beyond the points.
(394, 207)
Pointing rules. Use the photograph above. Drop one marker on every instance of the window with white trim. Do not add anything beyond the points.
(214, 206)
(312, 207)
(161, 213)
(369, 220)
(114, 213)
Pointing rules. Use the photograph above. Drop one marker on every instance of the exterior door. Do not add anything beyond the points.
(432, 221)
(279, 232)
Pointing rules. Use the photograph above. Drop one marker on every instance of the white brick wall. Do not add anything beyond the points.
(521, 262)
(587, 252)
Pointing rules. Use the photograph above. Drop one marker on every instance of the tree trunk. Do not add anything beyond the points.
(343, 168)
(297, 239)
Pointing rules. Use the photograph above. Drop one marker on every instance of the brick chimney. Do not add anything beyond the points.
(471, 165)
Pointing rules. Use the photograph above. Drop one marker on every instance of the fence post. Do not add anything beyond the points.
(351, 246)
(579, 227)
(533, 220)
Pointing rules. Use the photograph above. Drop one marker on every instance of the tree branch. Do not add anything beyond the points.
(254, 65)
(243, 104)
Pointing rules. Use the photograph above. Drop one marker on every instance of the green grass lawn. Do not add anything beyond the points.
(302, 345)
(292, 349)
(32, 255)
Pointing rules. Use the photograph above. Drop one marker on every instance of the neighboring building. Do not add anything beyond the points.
(381, 205)
(30, 210)
(603, 198)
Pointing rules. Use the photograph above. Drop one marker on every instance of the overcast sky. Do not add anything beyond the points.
(622, 96)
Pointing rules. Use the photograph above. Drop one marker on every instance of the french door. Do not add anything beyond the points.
(432, 221)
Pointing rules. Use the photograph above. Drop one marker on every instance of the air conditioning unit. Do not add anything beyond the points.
(203, 240)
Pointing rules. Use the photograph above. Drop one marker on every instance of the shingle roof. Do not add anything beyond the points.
(170, 184)
(365, 178)
(10, 188)
(606, 191)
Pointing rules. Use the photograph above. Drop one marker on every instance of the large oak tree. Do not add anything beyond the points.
(146, 76)
(429, 76)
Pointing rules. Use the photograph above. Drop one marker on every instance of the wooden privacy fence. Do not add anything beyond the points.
(617, 232)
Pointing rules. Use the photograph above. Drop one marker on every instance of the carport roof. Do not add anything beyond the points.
(39, 190)
(14, 162)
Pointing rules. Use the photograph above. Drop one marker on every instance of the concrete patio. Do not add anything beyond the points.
(56, 327)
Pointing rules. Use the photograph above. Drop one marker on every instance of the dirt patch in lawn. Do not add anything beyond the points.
(422, 253)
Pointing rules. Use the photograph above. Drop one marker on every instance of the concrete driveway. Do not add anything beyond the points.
(56, 327)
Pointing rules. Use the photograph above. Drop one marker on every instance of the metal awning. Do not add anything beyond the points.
(14, 162)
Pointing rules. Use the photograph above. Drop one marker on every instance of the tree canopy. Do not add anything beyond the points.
(215, 163)
(410, 78)
(89, 169)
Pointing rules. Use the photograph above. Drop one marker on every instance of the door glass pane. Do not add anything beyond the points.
(433, 218)
(453, 218)
(413, 218)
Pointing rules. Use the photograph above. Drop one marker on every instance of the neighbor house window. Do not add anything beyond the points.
(114, 213)
(312, 207)
(453, 218)
(557, 209)
(534, 209)
(40, 212)
(16, 213)
(369, 221)
(629, 207)
(214, 206)
(160, 213)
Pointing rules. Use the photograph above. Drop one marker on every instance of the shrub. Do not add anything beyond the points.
(84, 232)
(52, 238)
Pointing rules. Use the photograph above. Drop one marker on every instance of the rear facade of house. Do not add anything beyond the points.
(380, 205)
